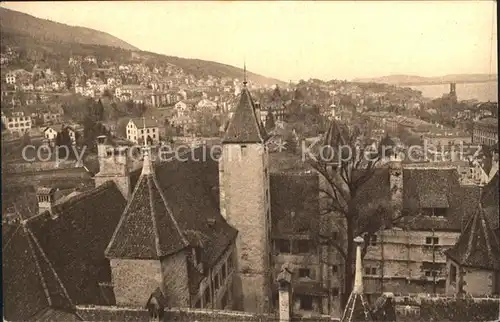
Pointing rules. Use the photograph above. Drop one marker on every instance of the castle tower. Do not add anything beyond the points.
(246, 204)
(396, 184)
(357, 308)
(147, 247)
(113, 165)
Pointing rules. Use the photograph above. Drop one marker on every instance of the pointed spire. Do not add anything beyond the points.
(244, 74)
(146, 163)
(357, 308)
(358, 277)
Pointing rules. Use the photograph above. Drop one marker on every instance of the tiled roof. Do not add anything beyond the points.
(147, 228)
(245, 126)
(423, 188)
(489, 200)
(490, 193)
(478, 245)
(75, 236)
(436, 188)
(190, 190)
(30, 282)
(150, 122)
(294, 200)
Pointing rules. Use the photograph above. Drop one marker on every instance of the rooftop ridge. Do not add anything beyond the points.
(122, 218)
(74, 200)
(46, 259)
(176, 224)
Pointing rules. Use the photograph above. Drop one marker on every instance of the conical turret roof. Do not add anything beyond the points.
(245, 126)
(478, 245)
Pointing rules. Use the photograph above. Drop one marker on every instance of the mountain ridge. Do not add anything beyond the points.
(22, 23)
(57, 41)
(401, 79)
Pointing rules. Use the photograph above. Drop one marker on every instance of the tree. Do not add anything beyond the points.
(25, 139)
(68, 83)
(270, 124)
(345, 166)
(64, 143)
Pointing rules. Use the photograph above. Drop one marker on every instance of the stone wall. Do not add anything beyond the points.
(247, 210)
(176, 286)
(134, 280)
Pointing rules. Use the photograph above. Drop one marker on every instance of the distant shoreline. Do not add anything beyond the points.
(447, 82)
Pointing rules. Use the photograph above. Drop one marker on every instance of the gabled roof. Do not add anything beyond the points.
(294, 202)
(75, 236)
(477, 246)
(245, 126)
(139, 122)
(31, 285)
(147, 228)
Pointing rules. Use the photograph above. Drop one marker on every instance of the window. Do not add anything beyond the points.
(198, 304)
(453, 273)
(335, 291)
(153, 130)
(373, 240)
(282, 246)
(431, 273)
(370, 271)
(432, 240)
(303, 246)
(306, 303)
(304, 273)
(243, 150)
(335, 269)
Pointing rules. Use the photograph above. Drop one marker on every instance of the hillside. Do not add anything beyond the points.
(20, 23)
(50, 43)
(419, 80)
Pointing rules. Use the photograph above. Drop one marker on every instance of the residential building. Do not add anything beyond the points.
(485, 131)
(10, 78)
(435, 207)
(51, 132)
(139, 129)
(17, 122)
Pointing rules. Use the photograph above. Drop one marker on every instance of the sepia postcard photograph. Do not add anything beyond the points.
(234, 161)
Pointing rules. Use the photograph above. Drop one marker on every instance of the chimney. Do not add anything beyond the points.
(396, 184)
(46, 199)
(284, 282)
(113, 165)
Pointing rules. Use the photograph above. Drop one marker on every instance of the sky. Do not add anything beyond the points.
(292, 40)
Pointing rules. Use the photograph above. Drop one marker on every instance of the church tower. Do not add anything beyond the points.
(244, 184)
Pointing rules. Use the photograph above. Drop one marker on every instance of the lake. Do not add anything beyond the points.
(487, 91)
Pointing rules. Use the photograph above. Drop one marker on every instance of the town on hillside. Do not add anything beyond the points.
(135, 189)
